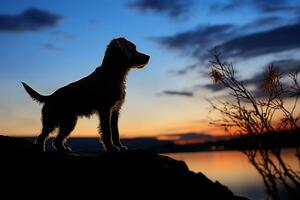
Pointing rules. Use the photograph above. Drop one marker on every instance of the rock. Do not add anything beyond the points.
(131, 174)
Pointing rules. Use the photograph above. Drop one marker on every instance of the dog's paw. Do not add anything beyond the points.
(61, 148)
(64, 150)
(113, 148)
(67, 149)
(123, 148)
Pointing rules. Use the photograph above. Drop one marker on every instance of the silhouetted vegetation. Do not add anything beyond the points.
(260, 117)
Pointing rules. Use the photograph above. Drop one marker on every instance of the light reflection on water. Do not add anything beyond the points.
(232, 169)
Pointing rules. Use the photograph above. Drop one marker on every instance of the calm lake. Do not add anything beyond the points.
(232, 169)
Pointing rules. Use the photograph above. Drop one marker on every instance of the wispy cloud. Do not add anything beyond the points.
(185, 70)
(62, 34)
(227, 6)
(177, 93)
(32, 19)
(94, 22)
(270, 21)
(263, 6)
(272, 6)
(174, 8)
(52, 47)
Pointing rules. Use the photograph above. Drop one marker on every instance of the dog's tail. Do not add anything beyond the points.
(34, 95)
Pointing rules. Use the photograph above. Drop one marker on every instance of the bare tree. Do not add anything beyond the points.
(246, 115)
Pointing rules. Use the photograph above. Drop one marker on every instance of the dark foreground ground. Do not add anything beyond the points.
(131, 175)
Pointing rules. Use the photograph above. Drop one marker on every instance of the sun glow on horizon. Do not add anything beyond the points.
(166, 97)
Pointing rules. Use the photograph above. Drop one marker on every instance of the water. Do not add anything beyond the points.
(232, 169)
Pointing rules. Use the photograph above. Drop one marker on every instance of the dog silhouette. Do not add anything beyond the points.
(102, 93)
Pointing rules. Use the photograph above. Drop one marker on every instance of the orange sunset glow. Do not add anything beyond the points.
(150, 98)
(168, 96)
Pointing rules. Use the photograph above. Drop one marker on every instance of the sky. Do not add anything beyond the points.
(50, 43)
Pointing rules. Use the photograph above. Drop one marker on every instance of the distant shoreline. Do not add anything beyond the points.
(278, 140)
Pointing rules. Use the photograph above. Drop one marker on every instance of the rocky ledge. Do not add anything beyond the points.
(131, 174)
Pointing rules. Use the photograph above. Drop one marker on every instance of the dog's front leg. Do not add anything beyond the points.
(115, 131)
(105, 130)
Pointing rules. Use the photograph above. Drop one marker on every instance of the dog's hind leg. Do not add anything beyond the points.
(105, 130)
(66, 126)
(115, 131)
(48, 126)
(41, 139)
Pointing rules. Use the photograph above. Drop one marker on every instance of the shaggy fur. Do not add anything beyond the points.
(102, 92)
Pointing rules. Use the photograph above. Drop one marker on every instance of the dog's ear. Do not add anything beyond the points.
(123, 46)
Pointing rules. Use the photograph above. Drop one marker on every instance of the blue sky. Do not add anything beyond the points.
(49, 44)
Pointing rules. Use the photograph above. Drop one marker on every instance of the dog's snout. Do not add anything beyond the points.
(147, 58)
(140, 60)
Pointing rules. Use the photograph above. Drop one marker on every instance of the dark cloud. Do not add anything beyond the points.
(286, 66)
(52, 47)
(173, 8)
(185, 70)
(266, 21)
(261, 43)
(198, 41)
(263, 6)
(178, 93)
(263, 22)
(228, 6)
(271, 6)
(29, 20)
(214, 87)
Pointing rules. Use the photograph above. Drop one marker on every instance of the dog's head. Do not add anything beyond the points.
(127, 53)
